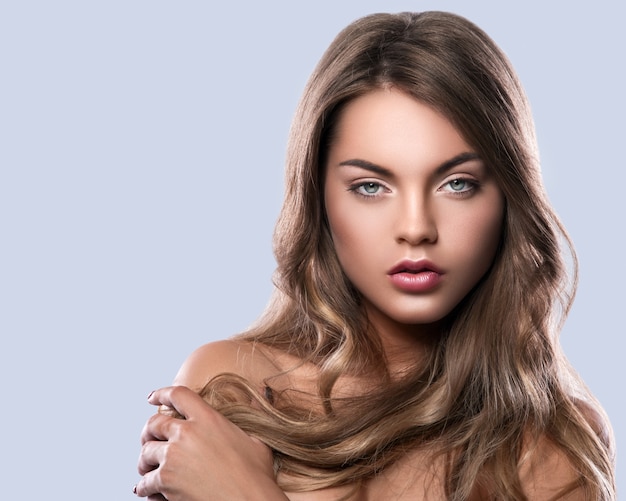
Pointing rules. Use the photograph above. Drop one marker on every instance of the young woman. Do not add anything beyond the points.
(410, 350)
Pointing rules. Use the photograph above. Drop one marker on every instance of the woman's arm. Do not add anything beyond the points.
(203, 456)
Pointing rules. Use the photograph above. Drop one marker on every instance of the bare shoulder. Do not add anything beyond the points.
(233, 356)
(547, 470)
(547, 473)
(599, 422)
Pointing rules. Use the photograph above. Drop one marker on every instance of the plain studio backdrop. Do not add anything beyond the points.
(141, 156)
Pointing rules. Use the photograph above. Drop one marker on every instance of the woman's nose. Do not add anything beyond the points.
(416, 222)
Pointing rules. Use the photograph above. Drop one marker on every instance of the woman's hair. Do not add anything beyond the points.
(496, 379)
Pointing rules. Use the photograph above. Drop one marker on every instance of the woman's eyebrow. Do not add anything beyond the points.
(364, 164)
(457, 160)
(442, 169)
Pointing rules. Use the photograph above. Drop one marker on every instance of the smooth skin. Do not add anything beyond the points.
(401, 183)
(204, 456)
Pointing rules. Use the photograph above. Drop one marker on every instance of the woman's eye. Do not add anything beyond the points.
(459, 185)
(368, 189)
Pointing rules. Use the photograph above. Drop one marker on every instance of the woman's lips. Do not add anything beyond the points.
(415, 276)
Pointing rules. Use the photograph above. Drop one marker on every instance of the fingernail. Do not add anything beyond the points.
(151, 393)
(135, 489)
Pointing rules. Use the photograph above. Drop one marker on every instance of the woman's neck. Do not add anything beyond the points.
(406, 346)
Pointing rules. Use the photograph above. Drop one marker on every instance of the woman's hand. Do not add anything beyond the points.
(203, 457)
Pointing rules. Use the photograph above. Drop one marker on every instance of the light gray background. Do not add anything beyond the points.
(141, 152)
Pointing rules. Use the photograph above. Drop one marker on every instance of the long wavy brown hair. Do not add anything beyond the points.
(496, 375)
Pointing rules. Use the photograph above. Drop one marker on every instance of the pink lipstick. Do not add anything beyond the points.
(415, 276)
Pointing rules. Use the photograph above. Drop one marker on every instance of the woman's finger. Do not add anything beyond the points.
(159, 427)
(149, 486)
(152, 455)
(183, 400)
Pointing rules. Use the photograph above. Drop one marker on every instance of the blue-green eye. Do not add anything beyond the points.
(458, 184)
(371, 188)
(367, 189)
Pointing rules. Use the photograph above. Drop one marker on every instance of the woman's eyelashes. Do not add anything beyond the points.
(367, 189)
(459, 186)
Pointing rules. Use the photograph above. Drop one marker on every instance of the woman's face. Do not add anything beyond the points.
(414, 213)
